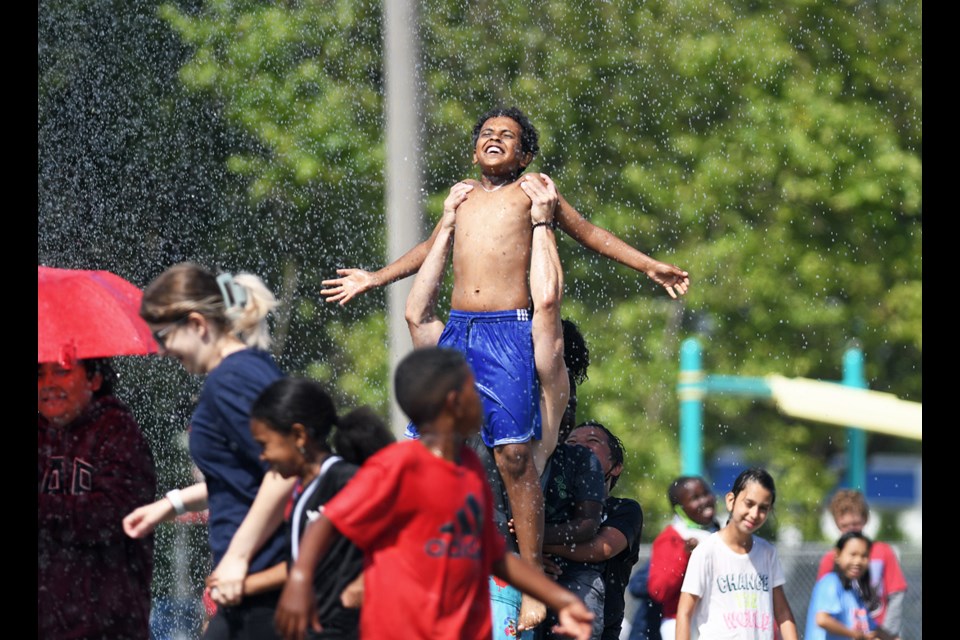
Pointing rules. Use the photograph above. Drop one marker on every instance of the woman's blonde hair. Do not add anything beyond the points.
(236, 305)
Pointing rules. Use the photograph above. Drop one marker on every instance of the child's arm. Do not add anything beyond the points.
(261, 521)
(673, 279)
(425, 327)
(546, 291)
(143, 520)
(608, 542)
(575, 619)
(353, 282)
(836, 628)
(685, 608)
(296, 608)
(580, 528)
(271, 579)
(783, 615)
(893, 619)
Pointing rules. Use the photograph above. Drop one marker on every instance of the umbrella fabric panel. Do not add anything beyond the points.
(88, 314)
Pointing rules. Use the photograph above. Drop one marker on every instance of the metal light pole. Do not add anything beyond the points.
(404, 207)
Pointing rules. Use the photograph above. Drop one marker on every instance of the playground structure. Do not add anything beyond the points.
(846, 404)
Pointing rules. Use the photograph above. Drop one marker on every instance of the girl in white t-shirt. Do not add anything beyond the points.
(733, 588)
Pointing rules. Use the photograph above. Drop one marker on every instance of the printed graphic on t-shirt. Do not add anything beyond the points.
(861, 620)
(747, 592)
(460, 538)
(55, 479)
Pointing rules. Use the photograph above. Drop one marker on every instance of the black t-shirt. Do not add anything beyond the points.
(626, 516)
(341, 564)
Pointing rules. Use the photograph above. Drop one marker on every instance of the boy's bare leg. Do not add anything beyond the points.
(546, 291)
(515, 463)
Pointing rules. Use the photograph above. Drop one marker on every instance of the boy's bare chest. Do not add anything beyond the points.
(503, 212)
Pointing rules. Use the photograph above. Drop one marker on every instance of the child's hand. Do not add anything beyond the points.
(458, 193)
(295, 609)
(543, 197)
(352, 283)
(691, 544)
(575, 621)
(551, 568)
(143, 520)
(675, 280)
(226, 581)
(352, 596)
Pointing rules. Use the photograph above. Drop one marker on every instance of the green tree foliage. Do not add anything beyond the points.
(772, 149)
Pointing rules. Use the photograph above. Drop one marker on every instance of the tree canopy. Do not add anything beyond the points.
(774, 150)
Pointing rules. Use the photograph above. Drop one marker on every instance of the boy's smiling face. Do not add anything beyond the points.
(498, 150)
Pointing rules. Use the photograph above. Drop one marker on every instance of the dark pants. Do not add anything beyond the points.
(252, 619)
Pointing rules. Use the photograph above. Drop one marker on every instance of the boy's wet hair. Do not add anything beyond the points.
(424, 378)
(529, 138)
(576, 355)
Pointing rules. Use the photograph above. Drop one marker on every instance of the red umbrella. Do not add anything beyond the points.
(88, 314)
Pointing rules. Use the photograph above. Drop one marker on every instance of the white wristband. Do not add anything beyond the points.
(176, 499)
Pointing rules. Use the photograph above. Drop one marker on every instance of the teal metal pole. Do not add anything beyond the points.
(691, 391)
(737, 386)
(853, 376)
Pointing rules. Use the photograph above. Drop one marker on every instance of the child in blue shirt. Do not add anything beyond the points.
(842, 600)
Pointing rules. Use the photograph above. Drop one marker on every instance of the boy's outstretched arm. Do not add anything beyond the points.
(675, 280)
(575, 619)
(421, 312)
(296, 607)
(353, 282)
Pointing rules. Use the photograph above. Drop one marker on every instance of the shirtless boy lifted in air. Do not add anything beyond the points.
(497, 220)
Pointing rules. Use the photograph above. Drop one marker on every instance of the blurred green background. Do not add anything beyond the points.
(772, 149)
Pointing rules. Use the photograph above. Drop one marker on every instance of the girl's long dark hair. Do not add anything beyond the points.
(862, 584)
(289, 401)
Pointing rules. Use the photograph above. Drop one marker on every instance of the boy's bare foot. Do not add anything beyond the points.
(532, 613)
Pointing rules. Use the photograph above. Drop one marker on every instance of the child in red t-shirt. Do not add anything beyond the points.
(421, 512)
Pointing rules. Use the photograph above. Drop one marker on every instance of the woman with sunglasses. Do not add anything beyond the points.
(215, 326)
